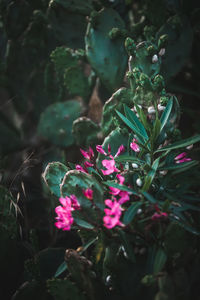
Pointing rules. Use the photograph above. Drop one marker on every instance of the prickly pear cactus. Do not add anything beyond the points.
(180, 37)
(76, 82)
(56, 121)
(144, 56)
(53, 176)
(82, 7)
(120, 97)
(106, 55)
(75, 182)
(85, 131)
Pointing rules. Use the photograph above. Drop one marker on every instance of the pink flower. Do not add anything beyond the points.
(110, 166)
(64, 218)
(88, 193)
(100, 150)
(88, 154)
(124, 197)
(182, 158)
(120, 150)
(64, 213)
(111, 219)
(88, 164)
(134, 146)
(157, 216)
(81, 169)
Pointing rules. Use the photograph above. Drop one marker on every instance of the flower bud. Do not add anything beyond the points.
(161, 52)
(161, 107)
(139, 182)
(151, 110)
(155, 59)
(135, 166)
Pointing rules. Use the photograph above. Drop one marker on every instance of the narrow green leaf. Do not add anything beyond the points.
(127, 246)
(127, 158)
(131, 212)
(166, 113)
(88, 244)
(142, 117)
(160, 260)
(133, 118)
(149, 197)
(83, 223)
(62, 268)
(181, 144)
(131, 126)
(119, 186)
(180, 167)
(150, 176)
(156, 129)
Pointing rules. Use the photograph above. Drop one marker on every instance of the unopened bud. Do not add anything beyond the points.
(162, 52)
(135, 166)
(155, 59)
(151, 110)
(161, 107)
(139, 182)
(189, 147)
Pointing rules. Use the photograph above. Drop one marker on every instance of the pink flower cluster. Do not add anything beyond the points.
(182, 158)
(109, 164)
(64, 213)
(134, 146)
(89, 155)
(112, 217)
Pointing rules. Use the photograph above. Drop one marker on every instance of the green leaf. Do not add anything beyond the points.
(131, 126)
(166, 113)
(133, 118)
(127, 158)
(181, 144)
(156, 129)
(83, 223)
(150, 176)
(160, 260)
(120, 187)
(180, 167)
(127, 246)
(62, 268)
(149, 197)
(131, 212)
(142, 117)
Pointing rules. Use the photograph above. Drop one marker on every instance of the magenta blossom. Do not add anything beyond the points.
(157, 216)
(88, 164)
(182, 158)
(112, 217)
(134, 146)
(87, 154)
(81, 169)
(88, 193)
(110, 166)
(64, 213)
(100, 149)
(124, 195)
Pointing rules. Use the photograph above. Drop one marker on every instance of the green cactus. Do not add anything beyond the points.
(76, 82)
(107, 56)
(146, 59)
(180, 37)
(75, 182)
(56, 121)
(120, 97)
(66, 27)
(53, 176)
(85, 132)
(64, 289)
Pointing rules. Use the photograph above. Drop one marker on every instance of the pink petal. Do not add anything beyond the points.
(88, 193)
(181, 155)
(134, 146)
(100, 150)
(120, 150)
